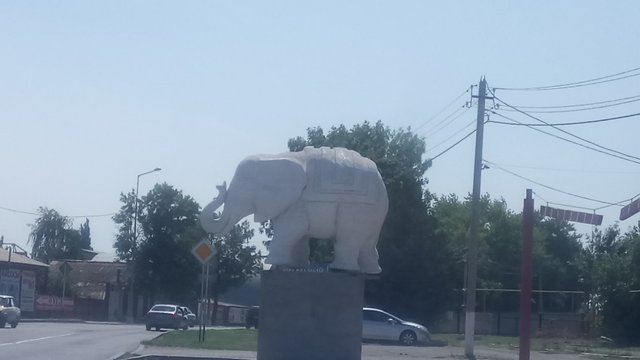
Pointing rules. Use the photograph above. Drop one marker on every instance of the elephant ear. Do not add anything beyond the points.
(280, 184)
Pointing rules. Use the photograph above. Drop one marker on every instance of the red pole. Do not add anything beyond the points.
(525, 281)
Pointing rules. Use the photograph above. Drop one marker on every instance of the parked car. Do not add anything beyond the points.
(166, 316)
(252, 317)
(382, 326)
(192, 319)
(9, 312)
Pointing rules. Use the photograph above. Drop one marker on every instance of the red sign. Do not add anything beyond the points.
(570, 215)
(46, 302)
(630, 210)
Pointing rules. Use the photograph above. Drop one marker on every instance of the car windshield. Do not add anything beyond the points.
(5, 302)
(164, 308)
(379, 316)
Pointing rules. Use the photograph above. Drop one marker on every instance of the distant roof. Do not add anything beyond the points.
(88, 279)
(19, 259)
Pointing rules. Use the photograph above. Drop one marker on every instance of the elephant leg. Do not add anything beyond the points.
(300, 253)
(290, 246)
(368, 257)
(346, 254)
(351, 232)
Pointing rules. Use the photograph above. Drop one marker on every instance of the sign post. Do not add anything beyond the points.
(630, 210)
(65, 268)
(204, 252)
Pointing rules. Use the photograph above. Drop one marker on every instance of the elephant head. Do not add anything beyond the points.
(263, 186)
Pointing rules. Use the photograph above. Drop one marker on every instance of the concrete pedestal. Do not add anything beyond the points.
(306, 315)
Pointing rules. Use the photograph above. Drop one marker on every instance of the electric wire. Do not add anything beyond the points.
(572, 206)
(538, 195)
(568, 140)
(442, 110)
(578, 105)
(69, 216)
(454, 145)
(439, 126)
(570, 123)
(572, 170)
(427, 135)
(594, 81)
(547, 186)
(566, 132)
(451, 136)
(580, 109)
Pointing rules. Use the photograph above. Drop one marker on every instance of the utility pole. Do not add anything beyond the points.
(525, 282)
(472, 247)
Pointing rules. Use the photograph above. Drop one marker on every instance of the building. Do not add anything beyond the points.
(97, 288)
(18, 277)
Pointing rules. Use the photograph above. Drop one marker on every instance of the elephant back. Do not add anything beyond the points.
(339, 174)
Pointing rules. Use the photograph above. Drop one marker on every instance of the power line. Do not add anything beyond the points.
(69, 216)
(452, 146)
(578, 105)
(17, 211)
(447, 124)
(580, 109)
(569, 141)
(453, 116)
(452, 135)
(573, 170)
(547, 186)
(570, 123)
(564, 131)
(442, 110)
(599, 80)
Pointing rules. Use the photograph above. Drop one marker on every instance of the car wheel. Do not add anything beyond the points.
(408, 337)
(148, 327)
(13, 325)
(157, 328)
(2, 324)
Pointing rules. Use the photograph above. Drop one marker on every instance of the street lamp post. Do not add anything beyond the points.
(134, 247)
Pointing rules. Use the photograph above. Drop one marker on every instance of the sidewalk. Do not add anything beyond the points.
(369, 352)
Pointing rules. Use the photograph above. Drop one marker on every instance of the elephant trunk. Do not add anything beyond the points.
(208, 220)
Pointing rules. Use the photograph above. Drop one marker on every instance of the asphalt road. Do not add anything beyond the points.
(58, 341)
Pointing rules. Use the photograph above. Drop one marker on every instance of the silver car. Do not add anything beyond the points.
(166, 316)
(380, 325)
(9, 312)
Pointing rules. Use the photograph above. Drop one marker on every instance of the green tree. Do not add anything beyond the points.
(168, 229)
(52, 237)
(557, 251)
(612, 262)
(85, 235)
(415, 261)
(236, 260)
(126, 246)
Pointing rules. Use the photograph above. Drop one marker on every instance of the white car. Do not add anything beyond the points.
(380, 325)
(9, 312)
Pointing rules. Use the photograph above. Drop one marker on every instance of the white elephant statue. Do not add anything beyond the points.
(323, 193)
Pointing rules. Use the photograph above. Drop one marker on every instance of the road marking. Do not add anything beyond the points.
(37, 339)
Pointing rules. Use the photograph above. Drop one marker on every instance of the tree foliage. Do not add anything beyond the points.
(85, 236)
(415, 261)
(237, 259)
(168, 228)
(52, 237)
(612, 277)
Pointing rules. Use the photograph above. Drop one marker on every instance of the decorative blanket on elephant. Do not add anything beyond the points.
(338, 174)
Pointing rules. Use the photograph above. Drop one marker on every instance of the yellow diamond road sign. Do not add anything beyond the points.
(203, 251)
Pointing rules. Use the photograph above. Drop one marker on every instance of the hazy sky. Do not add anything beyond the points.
(94, 93)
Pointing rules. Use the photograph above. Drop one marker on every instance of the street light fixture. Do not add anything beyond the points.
(135, 246)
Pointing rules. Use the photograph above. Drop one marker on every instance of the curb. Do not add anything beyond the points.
(26, 320)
